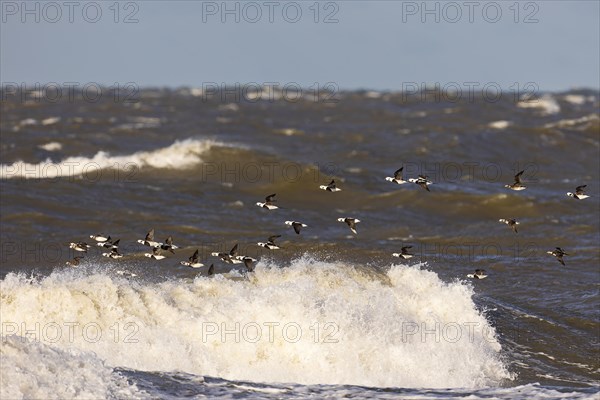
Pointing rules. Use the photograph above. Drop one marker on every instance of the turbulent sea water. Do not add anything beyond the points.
(330, 314)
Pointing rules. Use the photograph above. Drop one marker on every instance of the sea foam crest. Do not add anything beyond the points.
(34, 370)
(311, 322)
(546, 104)
(179, 155)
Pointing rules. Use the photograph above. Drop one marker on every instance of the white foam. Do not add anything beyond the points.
(372, 330)
(33, 370)
(179, 155)
(583, 121)
(578, 99)
(51, 146)
(28, 121)
(51, 121)
(289, 131)
(546, 104)
(197, 92)
(373, 94)
(500, 124)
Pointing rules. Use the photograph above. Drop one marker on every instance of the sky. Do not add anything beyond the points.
(379, 45)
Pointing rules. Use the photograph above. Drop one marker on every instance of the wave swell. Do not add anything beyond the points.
(179, 155)
(312, 322)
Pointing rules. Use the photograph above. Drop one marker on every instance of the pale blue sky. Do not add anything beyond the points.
(375, 44)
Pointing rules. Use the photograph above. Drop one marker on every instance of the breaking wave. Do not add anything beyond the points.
(312, 322)
(179, 155)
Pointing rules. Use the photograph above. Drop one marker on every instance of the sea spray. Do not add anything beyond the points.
(312, 322)
(34, 370)
(179, 155)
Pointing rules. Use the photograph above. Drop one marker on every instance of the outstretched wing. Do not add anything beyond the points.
(398, 174)
(272, 238)
(518, 177)
(297, 227)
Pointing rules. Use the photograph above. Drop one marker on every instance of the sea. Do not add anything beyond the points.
(330, 314)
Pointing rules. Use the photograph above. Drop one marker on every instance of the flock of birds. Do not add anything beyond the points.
(517, 185)
(232, 257)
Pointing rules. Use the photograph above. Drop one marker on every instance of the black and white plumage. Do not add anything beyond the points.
(268, 204)
(193, 261)
(517, 185)
(114, 253)
(100, 238)
(80, 246)
(168, 245)
(211, 270)
(156, 254)
(109, 245)
(404, 253)
(331, 187)
(351, 222)
(248, 262)
(511, 223)
(422, 181)
(230, 257)
(479, 274)
(398, 177)
(149, 240)
(296, 225)
(558, 253)
(579, 193)
(74, 262)
(270, 244)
